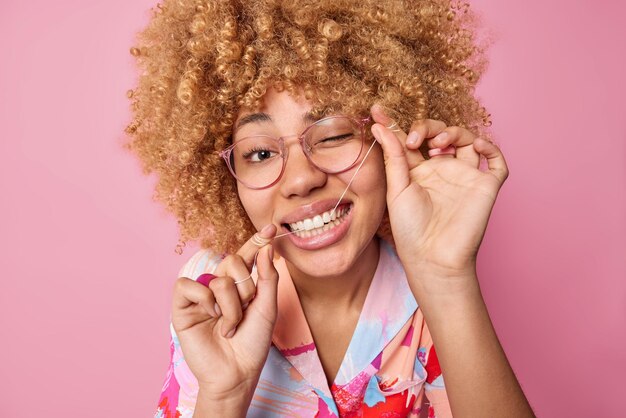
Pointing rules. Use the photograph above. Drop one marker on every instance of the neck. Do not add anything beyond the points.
(345, 291)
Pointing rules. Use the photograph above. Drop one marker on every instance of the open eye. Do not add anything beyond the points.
(258, 155)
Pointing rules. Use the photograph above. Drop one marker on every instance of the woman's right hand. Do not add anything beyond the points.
(225, 329)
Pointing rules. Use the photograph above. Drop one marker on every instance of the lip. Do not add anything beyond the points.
(312, 209)
(323, 239)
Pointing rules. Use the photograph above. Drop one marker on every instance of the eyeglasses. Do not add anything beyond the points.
(332, 144)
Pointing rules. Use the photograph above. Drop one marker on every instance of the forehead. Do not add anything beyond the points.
(262, 118)
(280, 106)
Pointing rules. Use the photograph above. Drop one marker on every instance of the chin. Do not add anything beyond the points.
(331, 261)
(321, 268)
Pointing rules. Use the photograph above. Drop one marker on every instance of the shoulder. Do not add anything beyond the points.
(203, 261)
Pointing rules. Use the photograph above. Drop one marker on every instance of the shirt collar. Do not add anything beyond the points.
(389, 304)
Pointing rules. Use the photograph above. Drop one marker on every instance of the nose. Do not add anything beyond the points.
(300, 177)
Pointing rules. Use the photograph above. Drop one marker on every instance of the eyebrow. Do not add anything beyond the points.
(252, 118)
(264, 117)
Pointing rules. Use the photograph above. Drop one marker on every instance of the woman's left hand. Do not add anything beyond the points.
(438, 207)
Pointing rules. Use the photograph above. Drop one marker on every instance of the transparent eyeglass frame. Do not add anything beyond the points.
(360, 122)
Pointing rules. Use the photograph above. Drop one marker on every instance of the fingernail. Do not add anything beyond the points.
(412, 138)
(266, 229)
(441, 137)
(218, 311)
(230, 333)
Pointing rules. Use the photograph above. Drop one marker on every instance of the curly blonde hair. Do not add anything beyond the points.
(201, 62)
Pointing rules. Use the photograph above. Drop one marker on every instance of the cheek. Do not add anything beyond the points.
(257, 206)
(379, 176)
(379, 184)
(373, 183)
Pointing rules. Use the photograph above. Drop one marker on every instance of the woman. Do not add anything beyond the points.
(333, 146)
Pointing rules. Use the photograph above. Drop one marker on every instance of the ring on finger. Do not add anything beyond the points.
(205, 278)
(449, 150)
(243, 280)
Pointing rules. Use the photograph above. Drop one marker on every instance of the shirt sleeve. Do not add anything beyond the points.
(436, 396)
(180, 389)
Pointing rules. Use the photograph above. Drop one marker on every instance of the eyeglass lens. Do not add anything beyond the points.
(332, 144)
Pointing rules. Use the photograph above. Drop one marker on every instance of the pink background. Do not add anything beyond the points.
(88, 262)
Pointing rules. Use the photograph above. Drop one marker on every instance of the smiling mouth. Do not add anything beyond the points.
(310, 227)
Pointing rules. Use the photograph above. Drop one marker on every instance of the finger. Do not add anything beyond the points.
(396, 164)
(249, 249)
(495, 159)
(233, 266)
(414, 156)
(380, 116)
(227, 298)
(188, 292)
(267, 283)
(462, 139)
(410, 142)
(419, 133)
(427, 128)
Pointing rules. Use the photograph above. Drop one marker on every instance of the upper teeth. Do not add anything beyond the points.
(318, 220)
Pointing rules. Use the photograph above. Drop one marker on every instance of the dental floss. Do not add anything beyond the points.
(342, 195)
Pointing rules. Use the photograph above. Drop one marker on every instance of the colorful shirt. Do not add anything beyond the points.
(389, 366)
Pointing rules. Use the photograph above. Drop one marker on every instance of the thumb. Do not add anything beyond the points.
(396, 164)
(267, 283)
